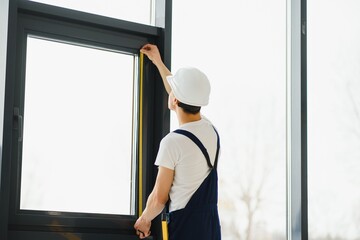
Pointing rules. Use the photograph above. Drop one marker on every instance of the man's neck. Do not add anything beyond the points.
(187, 117)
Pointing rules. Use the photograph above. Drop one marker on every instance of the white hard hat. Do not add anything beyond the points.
(190, 86)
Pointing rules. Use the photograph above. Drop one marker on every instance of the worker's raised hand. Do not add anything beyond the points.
(152, 52)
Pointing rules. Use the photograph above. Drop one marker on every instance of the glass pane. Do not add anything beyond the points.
(77, 151)
(246, 64)
(4, 9)
(139, 11)
(334, 119)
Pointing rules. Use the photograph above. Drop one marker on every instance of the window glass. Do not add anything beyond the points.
(4, 8)
(78, 120)
(334, 119)
(241, 46)
(139, 11)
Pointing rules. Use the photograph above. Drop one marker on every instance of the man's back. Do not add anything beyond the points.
(179, 153)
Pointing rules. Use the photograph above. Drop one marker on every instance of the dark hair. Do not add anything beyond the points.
(188, 108)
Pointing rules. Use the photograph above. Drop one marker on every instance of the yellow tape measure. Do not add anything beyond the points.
(141, 134)
(164, 222)
(164, 226)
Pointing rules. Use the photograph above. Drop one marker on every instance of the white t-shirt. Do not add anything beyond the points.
(181, 154)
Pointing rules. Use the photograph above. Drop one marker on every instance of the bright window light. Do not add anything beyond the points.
(78, 119)
(139, 11)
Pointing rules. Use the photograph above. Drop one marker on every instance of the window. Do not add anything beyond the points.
(333, 119)
(78, 129)
(3, 40)
(140, 11)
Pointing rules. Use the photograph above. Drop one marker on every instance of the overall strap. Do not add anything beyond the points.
(200, 145)
(217, 149)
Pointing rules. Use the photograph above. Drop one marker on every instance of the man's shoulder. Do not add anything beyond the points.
(170, 138)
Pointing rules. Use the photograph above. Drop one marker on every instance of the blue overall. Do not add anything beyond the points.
(199, 220)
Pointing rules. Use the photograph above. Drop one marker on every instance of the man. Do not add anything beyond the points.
(187, 160)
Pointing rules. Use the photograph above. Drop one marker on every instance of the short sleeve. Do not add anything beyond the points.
(167, 155)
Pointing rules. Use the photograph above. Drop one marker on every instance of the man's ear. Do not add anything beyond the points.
(176, 101)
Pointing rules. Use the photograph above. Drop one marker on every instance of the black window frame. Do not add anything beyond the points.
(67, 25)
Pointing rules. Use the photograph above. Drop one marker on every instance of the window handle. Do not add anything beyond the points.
(18, 123)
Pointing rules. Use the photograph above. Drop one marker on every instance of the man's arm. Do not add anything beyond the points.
(152, 52)
(156, 201)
